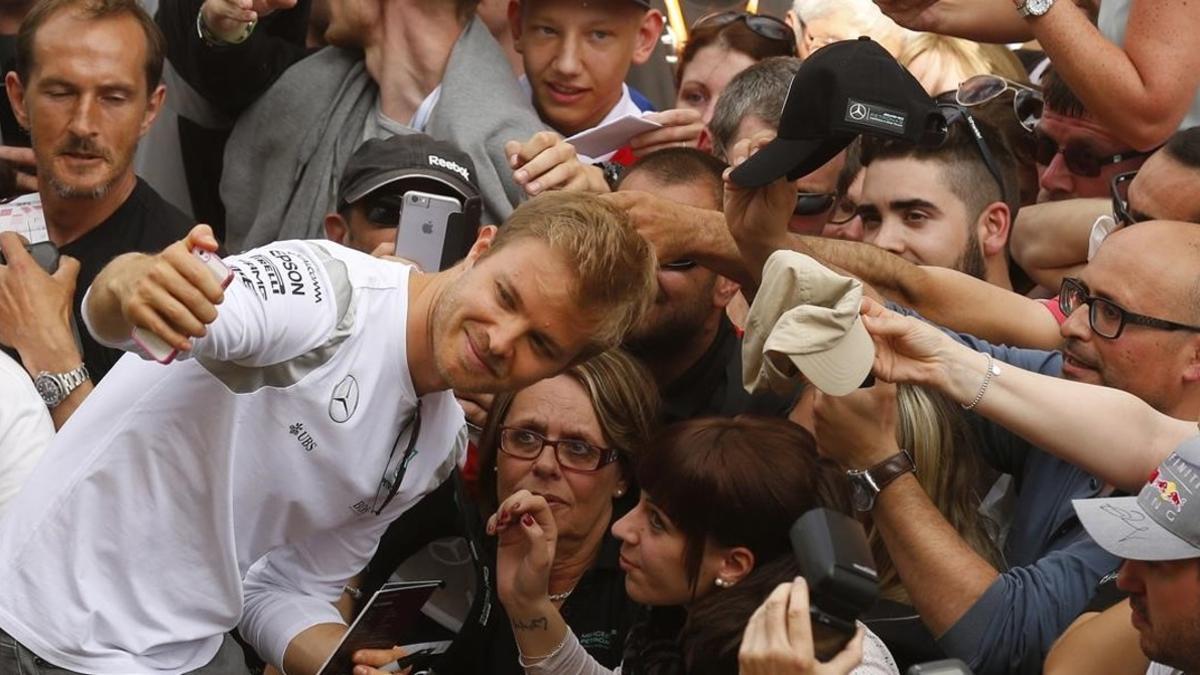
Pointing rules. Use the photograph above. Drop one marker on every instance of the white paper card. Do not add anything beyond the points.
(599, 143)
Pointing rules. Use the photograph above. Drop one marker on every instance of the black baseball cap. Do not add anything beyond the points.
(379, 163)
(842, 90)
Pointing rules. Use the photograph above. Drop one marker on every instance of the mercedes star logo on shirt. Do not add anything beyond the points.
(858, 111)
(344, 401)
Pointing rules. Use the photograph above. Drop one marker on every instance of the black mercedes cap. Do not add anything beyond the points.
(381, 162)
(842, 90)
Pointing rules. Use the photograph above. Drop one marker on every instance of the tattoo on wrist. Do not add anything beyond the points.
(539, 623)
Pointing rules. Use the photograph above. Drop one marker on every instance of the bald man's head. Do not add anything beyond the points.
(1148, 269)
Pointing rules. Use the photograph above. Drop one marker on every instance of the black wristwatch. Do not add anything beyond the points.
(865, 485)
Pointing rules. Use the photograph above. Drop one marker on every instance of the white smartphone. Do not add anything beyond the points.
(155, 346)
(424, 224)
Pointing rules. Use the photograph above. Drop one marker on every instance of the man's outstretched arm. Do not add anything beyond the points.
(171, 294)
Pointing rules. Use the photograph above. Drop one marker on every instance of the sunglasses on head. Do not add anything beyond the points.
(764, 26)
(953, 114)
(1027, 101)
(1079, 160)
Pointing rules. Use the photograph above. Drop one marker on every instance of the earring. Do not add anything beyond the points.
(620, 493)
(721, 583)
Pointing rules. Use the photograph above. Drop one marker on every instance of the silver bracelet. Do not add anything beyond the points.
(531, 661)
(992, 371)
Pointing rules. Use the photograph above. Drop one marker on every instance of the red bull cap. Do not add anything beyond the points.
(1162, 522)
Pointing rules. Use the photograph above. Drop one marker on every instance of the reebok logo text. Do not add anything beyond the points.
(451, 166)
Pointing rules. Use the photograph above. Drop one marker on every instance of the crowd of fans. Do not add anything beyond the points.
(923, 263)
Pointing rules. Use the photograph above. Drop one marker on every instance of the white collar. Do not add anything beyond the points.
(624, 107)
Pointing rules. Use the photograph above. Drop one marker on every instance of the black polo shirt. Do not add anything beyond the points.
(144, 223)
(712, 387)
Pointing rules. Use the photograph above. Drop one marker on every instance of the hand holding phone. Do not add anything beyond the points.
(425, 235)
(36, 297)
(156, 347)
(781, 640)
(44, 253)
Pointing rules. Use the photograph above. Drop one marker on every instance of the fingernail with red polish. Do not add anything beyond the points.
(527, 520)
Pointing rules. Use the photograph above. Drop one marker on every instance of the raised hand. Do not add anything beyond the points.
(548, 162)
(35, 306)
(171, 294)
(23, 165)
(779, 639)
(907, 350)
(229, 19)
(681, 127)
(919, 15)
(858, 430)
(757, 217)
(528, 536)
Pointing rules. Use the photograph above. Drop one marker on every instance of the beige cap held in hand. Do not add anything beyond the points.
(805, 322)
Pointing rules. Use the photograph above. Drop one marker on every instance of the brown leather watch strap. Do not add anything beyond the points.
(892, 468)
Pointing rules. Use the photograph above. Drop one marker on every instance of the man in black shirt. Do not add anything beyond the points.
(686, 340)
(87, 87)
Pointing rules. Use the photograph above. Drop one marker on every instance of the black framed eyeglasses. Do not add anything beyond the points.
(813, 203)
(397, 465)
(1119, 189)
(1079, 160)
(952, 114)
(1106, 318)
(572, 454)
(762, 25)
(1027, 100)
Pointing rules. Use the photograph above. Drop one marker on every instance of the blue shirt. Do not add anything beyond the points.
(1053, 565)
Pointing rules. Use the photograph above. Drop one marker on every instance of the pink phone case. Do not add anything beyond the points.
(153, 345)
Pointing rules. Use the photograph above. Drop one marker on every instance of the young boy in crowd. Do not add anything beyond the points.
(577, 56)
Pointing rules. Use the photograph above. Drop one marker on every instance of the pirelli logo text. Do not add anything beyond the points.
(277, 272)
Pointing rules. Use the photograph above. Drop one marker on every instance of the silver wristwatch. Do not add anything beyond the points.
(1035, 7)
(56, 387)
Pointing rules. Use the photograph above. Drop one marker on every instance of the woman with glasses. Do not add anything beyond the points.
(703, 548)
(719, 46)
(572, 440)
